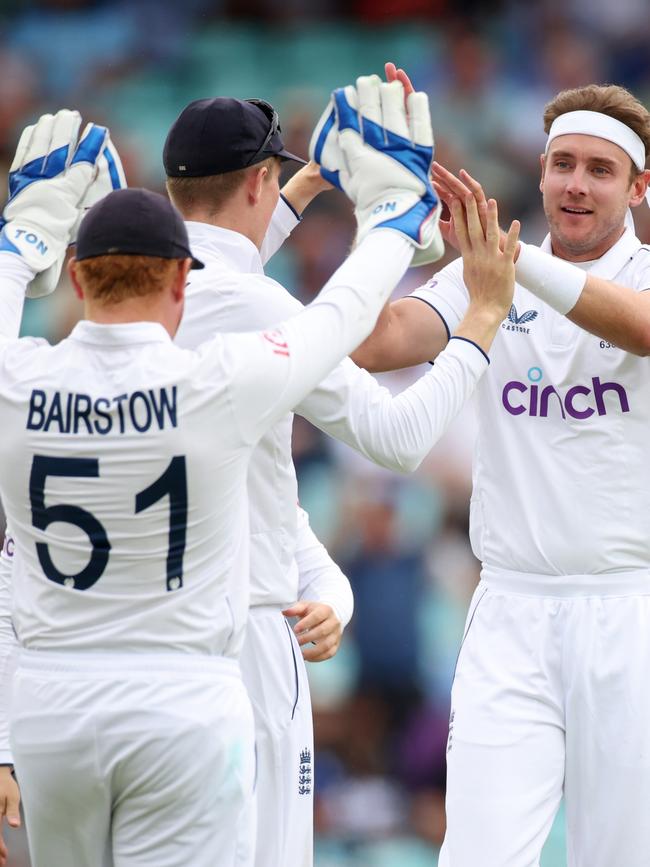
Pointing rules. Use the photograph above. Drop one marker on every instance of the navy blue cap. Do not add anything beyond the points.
(134, 222)
(215, 136)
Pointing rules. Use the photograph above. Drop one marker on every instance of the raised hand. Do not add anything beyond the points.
(449, 187)
(110, 176)
(49, 177)
(488, 270)
(369, 144)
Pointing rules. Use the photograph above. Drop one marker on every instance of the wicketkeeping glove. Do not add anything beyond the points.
(48, 180)
(110, 176)
(380, 156)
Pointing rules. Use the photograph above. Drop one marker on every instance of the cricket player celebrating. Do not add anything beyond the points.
(550, 693)
(210, 157)
(123, 462)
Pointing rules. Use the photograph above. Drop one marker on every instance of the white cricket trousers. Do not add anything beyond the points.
(133, 760)
(274, 673)
(551, 694)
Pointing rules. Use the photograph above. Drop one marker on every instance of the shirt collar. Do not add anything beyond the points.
(120, 334)
(611, 263)
(239, 252)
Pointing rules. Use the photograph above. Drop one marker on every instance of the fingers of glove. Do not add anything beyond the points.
(393, 110)
(323, 128)
(23, 148)
(90, 145)
(369, 100)
(63, 140)
(419, 119)
(346, 104)
(110, 176)
(39, 144)
(324, 146)
(114, 165)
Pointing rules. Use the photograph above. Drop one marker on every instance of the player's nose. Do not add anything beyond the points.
(577, 182)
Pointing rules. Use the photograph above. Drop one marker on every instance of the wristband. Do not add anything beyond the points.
(556, 282)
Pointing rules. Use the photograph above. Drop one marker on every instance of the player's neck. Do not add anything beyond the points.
(143, 309)
(574, 254)
(244, 220)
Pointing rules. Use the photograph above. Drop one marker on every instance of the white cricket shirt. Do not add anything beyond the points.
(233, 294)
(561, 469)
(123, 462)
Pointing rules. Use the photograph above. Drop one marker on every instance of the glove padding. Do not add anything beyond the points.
(48, 179)
(367, 145)
(110, 176)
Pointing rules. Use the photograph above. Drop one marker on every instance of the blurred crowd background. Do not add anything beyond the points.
(381, 705)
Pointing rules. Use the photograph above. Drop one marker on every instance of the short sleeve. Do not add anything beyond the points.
(446, 294)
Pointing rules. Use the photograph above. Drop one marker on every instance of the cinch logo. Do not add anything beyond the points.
(517, 323)
(579, 401)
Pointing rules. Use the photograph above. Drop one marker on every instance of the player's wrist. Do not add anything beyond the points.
(556, 282)
(303, 187)
(480, 323)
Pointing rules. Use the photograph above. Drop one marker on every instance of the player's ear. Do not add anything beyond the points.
(255, 182)
(180, 279)
(542, 162)
(638, 188)
(72, 273)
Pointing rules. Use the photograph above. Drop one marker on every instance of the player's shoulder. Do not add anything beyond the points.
(637, 269)
(15, 351)
(248, 300)
(452, 273)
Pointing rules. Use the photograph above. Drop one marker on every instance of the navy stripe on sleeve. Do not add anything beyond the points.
(291, 207)
(467, 340)
(429, 304)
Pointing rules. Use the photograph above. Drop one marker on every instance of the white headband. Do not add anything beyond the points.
(602, 126)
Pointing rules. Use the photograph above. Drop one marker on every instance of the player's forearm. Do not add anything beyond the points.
(319, 577)
(617, 314)
(396, 432)
(8, 649)
(344, 312)
(15, 275)
(283, 222)
(8, 654)
(301, 189)
(480, 324)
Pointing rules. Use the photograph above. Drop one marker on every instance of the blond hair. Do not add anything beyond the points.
(209, 194)
(114, 278)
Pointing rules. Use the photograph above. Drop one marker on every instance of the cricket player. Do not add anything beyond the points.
(130, 598)
(550, 693)
(208, 157)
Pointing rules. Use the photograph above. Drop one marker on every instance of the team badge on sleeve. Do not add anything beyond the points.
(304, 773)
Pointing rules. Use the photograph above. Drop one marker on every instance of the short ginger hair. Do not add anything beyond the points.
(111, 279)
